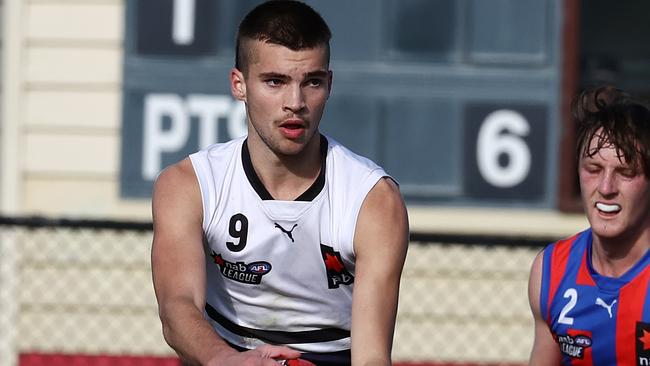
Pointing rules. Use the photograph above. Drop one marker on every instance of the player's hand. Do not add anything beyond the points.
(265, 355)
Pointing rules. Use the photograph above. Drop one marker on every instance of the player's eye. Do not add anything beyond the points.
(315, 82)
(628, 172)
(273, 82)
(592, 169)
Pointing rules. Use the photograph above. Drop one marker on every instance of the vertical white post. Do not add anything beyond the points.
(12, 34)
(10, 107)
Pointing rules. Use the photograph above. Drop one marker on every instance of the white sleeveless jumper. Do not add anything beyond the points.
(281, 272)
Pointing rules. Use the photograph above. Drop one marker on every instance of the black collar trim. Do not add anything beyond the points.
(264, 194)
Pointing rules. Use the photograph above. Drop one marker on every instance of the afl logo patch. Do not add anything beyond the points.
(260, 268)
(583, 341)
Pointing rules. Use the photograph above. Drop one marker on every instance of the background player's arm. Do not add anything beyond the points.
(178, 264)
(545, 350)
(380, 243)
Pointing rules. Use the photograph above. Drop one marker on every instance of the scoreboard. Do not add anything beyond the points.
(456, 99)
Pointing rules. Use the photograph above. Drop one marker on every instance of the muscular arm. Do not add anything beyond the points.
(380, 243)
(178, 265)
(545, 351)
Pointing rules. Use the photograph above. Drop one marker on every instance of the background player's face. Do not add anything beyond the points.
(285, 93)
(616, 197)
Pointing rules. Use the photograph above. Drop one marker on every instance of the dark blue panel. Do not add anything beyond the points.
(354, 121)
(513, 31)
(155, 24)
(132, 136)
(420, 146)
(356, 28)
(422, 29)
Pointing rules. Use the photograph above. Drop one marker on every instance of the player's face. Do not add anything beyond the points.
(285, 92)
(616, 197)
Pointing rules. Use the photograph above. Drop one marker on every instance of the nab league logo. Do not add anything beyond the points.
(574, 346)
(241, 272)
(642, 344)
(337, 274)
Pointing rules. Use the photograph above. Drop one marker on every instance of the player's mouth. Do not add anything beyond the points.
(292, 128)
(608, 209)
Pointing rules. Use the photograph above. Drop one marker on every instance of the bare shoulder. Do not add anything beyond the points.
(177, 219)
(384, 198)
(383, 218)
(177, 189)
(545, 349)
(536, 267)
(175, 176)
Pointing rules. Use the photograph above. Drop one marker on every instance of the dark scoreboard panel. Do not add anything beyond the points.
(457, 99)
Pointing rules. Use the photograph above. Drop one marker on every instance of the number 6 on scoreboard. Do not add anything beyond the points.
(501, 134)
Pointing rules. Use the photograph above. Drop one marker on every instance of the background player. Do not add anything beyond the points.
(260, 240)
(589, 293)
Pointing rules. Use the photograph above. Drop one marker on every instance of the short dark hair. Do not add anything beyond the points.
(615, 118)
(288, 23)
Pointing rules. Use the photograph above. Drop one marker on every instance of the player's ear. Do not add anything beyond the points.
(237, 84)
